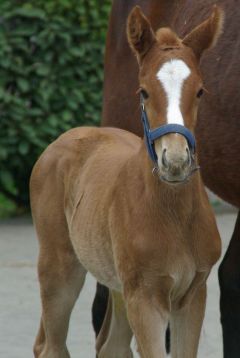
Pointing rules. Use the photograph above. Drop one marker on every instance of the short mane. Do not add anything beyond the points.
(167, 38)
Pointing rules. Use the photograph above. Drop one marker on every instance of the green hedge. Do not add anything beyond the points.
(51, 73)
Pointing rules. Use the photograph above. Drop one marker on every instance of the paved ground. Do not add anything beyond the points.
(20, 305)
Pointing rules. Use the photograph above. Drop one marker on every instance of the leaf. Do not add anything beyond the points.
(26, 12)
(23, 147)
(3, 153)
(35, 112)
(23, 85)
(6, 178)
(5, 62)
(77, 51)
(53, 120)
(42, 70)
(67, 116)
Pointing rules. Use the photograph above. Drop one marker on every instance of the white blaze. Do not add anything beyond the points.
(172, 76)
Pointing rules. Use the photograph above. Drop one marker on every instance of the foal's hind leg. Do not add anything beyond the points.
(61, 278)
(115, 341)
(40, 340)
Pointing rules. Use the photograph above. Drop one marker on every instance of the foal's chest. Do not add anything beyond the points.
(165, 262)
(183, 271)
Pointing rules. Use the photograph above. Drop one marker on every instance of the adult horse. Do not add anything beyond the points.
(152, 239)
(218, 125)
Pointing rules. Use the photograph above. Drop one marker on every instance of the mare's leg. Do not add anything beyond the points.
(229, 279)
(99, 307)
(148, 320)
(186, 326)
(61, 278)
(116, 338)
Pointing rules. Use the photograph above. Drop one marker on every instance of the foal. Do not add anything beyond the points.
(150, 237)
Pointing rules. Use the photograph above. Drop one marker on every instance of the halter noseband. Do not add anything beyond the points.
(152, 135)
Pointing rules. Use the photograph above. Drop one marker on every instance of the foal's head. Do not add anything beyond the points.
(171, 84)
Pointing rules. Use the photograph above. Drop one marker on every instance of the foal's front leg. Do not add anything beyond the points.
(149, 322)
(186, 324)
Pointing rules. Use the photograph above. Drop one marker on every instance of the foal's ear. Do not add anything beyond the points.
(140, 33)
(206, 34)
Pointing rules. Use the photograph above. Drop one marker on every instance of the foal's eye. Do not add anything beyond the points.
(200, 93)
(144, 94)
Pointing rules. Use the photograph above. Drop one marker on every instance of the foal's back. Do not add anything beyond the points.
(68, 160)
(64, 159)
(88, 159)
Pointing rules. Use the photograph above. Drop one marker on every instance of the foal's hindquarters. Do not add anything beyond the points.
(152, 244)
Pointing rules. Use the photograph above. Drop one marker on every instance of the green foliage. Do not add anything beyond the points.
(7, 207)
(51, 73)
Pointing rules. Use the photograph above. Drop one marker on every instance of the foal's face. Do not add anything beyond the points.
(171, 85)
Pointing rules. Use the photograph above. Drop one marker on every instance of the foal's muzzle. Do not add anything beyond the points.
(175, 163)
(175, 171)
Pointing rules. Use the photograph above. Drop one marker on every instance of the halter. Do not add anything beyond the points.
(152, 135)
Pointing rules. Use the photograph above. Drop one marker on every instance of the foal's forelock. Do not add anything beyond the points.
(172, 75)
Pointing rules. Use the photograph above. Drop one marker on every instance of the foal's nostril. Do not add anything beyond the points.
(164, 159)
(188, 161)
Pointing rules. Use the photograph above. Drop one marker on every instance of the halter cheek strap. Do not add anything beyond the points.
(152, 135)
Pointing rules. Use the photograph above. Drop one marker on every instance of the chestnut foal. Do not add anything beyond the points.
(151, 238)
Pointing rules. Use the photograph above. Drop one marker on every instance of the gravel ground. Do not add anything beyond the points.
(20, 303)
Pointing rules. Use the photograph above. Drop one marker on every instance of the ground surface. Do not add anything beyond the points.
(20, 304)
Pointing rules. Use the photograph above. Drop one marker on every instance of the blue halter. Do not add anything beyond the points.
(152, 135)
